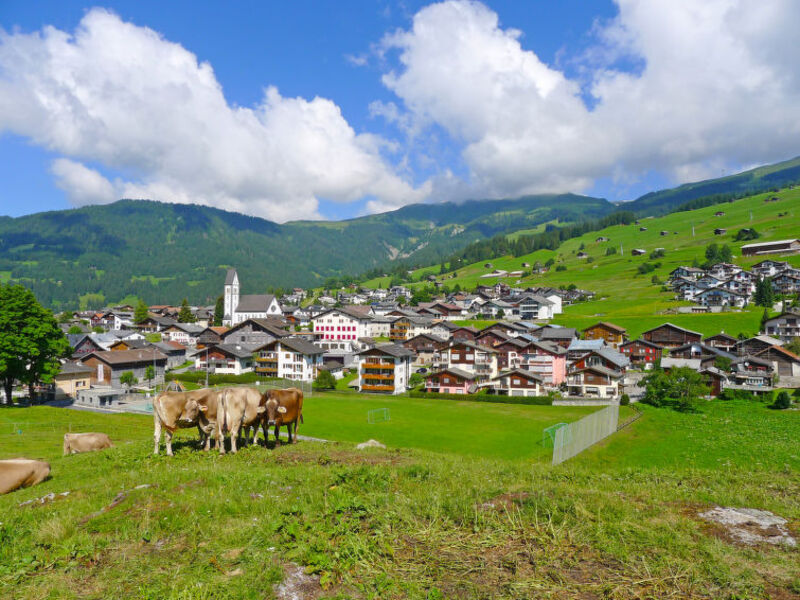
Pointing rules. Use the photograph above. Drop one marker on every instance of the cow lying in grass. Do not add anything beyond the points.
(282, 407)
(75, 443)
(18, 473)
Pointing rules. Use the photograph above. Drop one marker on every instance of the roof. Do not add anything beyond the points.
(611, 355)
(674, 327)
(237, 350)
(775, 243)
(230, 276)
(607, 325)
(558, 333)
(428, 336)
(253, 303)
(191, 328)
(474, 346)
(70, 368)
(790, 355)
(600, 369)
(269, 325)
(348, 310)
(721, 334)
(457, 372)
(642, 341)
(121, 357)
(765, 339)
(587, 345)
(693, 363)
(390, 349)
(521, 372)
(297, 344)
(549, 347)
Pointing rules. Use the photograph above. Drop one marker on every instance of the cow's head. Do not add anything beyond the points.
(272, 410)
(192, 410)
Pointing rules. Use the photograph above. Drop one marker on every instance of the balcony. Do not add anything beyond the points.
(377, 365)
(378, 376)
(271, 371)
(377, 388)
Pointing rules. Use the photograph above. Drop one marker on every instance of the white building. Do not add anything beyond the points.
(384, 369)
(341, 324)
(289, 358)
(239, 308)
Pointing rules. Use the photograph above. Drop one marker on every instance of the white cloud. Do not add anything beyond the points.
(719, 86)
(123, 97)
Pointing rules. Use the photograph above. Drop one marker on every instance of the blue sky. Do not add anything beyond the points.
(562, 74)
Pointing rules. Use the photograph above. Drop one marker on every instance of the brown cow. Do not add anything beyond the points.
(21, 472)
(233, 410)
(283, 407)
(169, 413)
(75, 443)
(205, 410)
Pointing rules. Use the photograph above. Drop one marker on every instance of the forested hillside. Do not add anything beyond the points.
(163, 252)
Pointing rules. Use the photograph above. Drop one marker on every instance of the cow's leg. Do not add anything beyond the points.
(277, 435)
(295, 431)
(235, 431)
(168, 438)
(289, 432)
(265, 428)
(220, 439)
(156, 433)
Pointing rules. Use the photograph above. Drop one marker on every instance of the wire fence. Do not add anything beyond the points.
(576, 437)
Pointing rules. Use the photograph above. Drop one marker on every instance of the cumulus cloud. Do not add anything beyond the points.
(718, 85)
(122, 96)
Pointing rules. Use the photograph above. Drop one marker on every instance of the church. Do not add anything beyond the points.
(240, 308)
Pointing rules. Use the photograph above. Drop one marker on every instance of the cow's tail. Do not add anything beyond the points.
(223, 400)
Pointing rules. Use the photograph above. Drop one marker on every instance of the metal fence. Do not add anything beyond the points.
(576, 437)
(281, 384)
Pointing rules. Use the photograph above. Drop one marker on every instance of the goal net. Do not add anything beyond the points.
(576, 437)
(378, 415)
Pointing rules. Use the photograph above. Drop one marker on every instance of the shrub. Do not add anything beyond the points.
(611, 251)
(561, 268)
(782, 402)
(484, 397)
(213, 379)
(325, 381)
(657, 254)
(625, 400)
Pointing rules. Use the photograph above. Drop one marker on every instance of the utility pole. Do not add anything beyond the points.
(620, 249)
(206, 366)
(692, 229)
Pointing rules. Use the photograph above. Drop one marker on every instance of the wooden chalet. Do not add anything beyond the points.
(671, 336)
(614, 335)
(517, 382)
(723, 341)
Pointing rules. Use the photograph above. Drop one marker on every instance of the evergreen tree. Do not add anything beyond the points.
(185, 315)
(219, 309)
(764, 296)
(764, 319)
(140, 314)
(31, 342)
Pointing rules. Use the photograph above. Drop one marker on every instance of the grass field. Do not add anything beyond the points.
(629, 299)
(619, 521)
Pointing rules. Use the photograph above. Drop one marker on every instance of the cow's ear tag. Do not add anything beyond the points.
(203, 408)
(261, 409)
(281, 409)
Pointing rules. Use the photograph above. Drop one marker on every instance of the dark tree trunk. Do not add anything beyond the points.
(8, 386)
(31, 392)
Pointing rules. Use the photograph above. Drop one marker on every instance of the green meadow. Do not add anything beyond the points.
(441, 519)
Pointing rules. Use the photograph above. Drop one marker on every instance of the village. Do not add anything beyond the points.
(380, 343)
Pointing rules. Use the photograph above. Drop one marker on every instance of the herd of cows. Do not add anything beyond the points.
(215, 412)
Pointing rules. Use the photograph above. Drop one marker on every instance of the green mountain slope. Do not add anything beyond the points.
(760, 179)
(163, 252)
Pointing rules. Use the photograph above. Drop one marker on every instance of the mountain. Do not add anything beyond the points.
(760, 179)
(163, 252)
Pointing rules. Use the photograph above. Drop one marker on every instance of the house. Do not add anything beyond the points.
(510, 352)
(184, 333)
(719, 296)
(379, 326)
(642, 353)
(561, 336)
(496, 309)
(787, 364)
(155, 323)
(82, 344)
(238, 308)
(671, 336)
(547, 360)
(424, 346)
(225, 359)
(722, 341)
(468, 356)
(768, 268)
(447, 310)
(719, 213)
(699, 350)
(404, 328)
(582, 254)
(720, 231)
(752, 374)
(128, 345)
(341, 324)
(288, 358)
(579, 348)
(108, 366)
(602, 238)
(492, 337)
(785, 326)
(254, 332)
(787, 283)
(386, 369)
(687, 272)
(716, 380)
(638, 252)
(175, 353)
(451, 381)
(532, 307)
(210, 336)
(777, 247)
(756, 344)
(614, 335)
(464, 334)
(596, 381)
(517, 382)
(73, 377)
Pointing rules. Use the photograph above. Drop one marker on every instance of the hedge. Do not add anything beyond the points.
(217, 379)
(527, 400)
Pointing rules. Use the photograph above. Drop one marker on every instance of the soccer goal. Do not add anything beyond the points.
(576, 437)
(378, 415)
(549, 434)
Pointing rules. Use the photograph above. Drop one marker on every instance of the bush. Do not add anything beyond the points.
(213, 379)
(611, 251)
(782, 402)
(416, 380)
(325, 381)
(484, 397)
(625, 400)
(657, 254)
(561, 268)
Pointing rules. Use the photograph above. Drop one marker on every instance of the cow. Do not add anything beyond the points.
(232, 411)
(75, 443)
(18, 473)
(282, 407)
(169, 413)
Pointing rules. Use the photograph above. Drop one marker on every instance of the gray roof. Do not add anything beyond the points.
(692, 363)
(523, 372)
(558, 333)
(254, 303)
(618, 358)
(237, 350)
(390, 349)
(298, 345)
(457, 372)
(72, 367)
(229, 276)
(586, 345)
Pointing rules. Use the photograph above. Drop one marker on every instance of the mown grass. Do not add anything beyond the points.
(617, 522)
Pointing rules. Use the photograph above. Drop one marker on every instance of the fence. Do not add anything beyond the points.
(576, 437)
(281, 384)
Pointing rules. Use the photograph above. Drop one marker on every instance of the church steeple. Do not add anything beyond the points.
(231, 295)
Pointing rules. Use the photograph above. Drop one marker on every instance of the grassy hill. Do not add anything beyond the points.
(618, 521)
(163, 252)
(629, 298)
(760, 179)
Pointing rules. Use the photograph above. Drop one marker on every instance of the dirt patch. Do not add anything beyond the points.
(46, 499)
(342, 457)
(750, 526)
(297, 584)
(506, 501)
(189, 484)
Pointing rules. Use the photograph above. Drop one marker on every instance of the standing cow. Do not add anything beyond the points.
(75, 443)
(282, 407)
(169, 413)
(232, 410)
(17, 473)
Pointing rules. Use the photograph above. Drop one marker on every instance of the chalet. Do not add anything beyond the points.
(642, 353)
(384, 369)
(562, 336)
(777, 247)
(604, 357)
(787, 283)
(175, 352)
(724, 270)
(719, 296)
(443, 329)
(638, 252)
(108, 366)
(510, 352)
(786, 364)
(447, 310)
(580, 348)
(602, 238)
(768, 268)
(239, 308)
(72, 378)
(752, 374)
(82, 344)
(663, 232)
(722, 341)
(715, 379)
(404, 328)
(785, 326)
(468, 356)
(128, 345)
(756, 344)
(184, 333)
(340, 324)
(424, 346)
(210, 336)
(597, 381)
(496, 309)
(535, 307)
(671, 336)
(464, 334)
(547, 360)
(155, 323)
(613, 335)
(642, 228)
(491, 337)
(517, 382)
(227, 359)
(504, 327)
(582, 254)
(451, 381)
(687, 272)
(699, 350)
(288, 358)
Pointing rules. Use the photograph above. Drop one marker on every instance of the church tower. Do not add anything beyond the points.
(231, 296)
